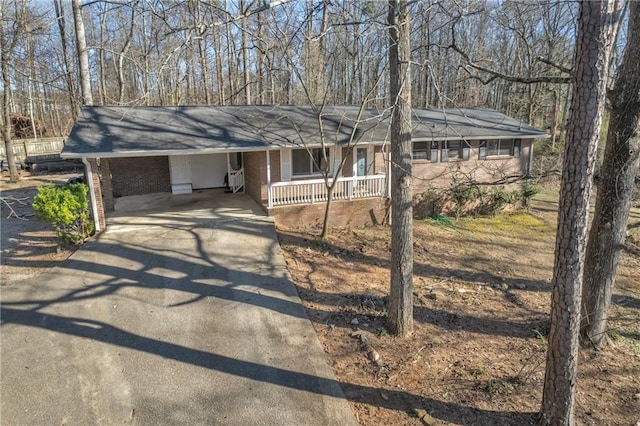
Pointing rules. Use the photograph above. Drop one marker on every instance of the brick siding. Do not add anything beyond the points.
(438, 176)
(140, 175)
(95, 175)
(255, 180)
(107, 186)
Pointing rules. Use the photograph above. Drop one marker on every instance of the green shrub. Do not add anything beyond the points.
(462, 194)
(528, 190)
(67, 209)
(495, 200)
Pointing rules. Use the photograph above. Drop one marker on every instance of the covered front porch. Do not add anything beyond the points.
(312, 191)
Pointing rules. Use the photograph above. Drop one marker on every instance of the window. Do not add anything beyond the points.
(304, 164)
(425, 151)
(455, 150)
(500, 148)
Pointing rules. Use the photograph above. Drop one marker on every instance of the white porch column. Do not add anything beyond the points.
(269, 201)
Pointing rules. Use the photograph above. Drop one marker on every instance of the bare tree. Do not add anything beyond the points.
(615, 189)
(62, 26)
(7, 46)
(400, 316)
(597, 23)
(83, 55)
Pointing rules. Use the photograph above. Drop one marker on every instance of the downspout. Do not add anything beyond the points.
(92, 194)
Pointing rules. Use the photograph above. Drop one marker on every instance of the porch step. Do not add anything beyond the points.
(181, 188)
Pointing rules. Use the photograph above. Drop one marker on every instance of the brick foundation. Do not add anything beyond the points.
(367, 211)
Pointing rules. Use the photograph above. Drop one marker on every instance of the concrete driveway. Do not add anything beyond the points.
(171, 317)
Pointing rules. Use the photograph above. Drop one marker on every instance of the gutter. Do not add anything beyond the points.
(92, 194)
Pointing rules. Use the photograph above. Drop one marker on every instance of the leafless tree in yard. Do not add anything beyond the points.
(400, 315)
(597, 23)
(317, 79)
(8, 43)
(615, 189)
(83, 54)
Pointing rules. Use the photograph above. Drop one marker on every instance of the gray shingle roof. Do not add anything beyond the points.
(108, 131)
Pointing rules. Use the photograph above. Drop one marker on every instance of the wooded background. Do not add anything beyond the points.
(515, 57)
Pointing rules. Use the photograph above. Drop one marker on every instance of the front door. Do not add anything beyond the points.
(361, 162)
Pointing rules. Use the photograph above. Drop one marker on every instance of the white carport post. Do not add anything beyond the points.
(92, 194)
(269, 202)
(228, 171)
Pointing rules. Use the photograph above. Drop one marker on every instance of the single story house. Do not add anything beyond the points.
(278, 154)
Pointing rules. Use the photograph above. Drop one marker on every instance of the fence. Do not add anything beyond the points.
(29, 150)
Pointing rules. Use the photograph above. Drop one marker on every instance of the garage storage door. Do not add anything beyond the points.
(208, 171)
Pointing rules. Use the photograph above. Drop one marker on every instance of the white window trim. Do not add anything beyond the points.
(502, 156)
(311, 175)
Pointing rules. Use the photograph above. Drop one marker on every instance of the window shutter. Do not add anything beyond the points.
(434, 152)
(483, 150)
(444, 153)
(465, 150)
(285, 164)
(337, 158)
(517, 144)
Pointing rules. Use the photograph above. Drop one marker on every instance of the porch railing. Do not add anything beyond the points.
(315, 190)
(236, 180)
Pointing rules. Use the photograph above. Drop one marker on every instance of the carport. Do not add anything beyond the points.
(215, 201)
(182, 312)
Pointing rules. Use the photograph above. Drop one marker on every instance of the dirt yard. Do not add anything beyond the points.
(481, 299)
(28, 244)
(481, 315)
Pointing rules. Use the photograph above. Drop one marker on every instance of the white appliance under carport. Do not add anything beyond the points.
(203, 171)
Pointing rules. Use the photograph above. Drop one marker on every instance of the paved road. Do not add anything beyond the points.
(167, 318)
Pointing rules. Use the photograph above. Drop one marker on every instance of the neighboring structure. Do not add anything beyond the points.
(275, 153)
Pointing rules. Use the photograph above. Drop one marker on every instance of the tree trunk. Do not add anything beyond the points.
(83, 56)
(217, 35)
(230, 70)
(246, 79)
(123, 53)
(597, 22)
(615, 190)
(65, 55)
(102, 78)
(400, 318)
(327, 210)
(6, 50)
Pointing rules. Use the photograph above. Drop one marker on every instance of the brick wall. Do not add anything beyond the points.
(255, 175)
(379, 166)
(97, 187)
(343, 213)
(440, 175)
(275, 166)
(107, 186)
(139, 175)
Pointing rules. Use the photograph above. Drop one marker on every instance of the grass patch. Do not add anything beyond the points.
(511, 223)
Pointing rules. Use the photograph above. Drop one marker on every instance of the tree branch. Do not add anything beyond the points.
(496, 74)
(8, 201)
(631, 249)
(553, 64)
